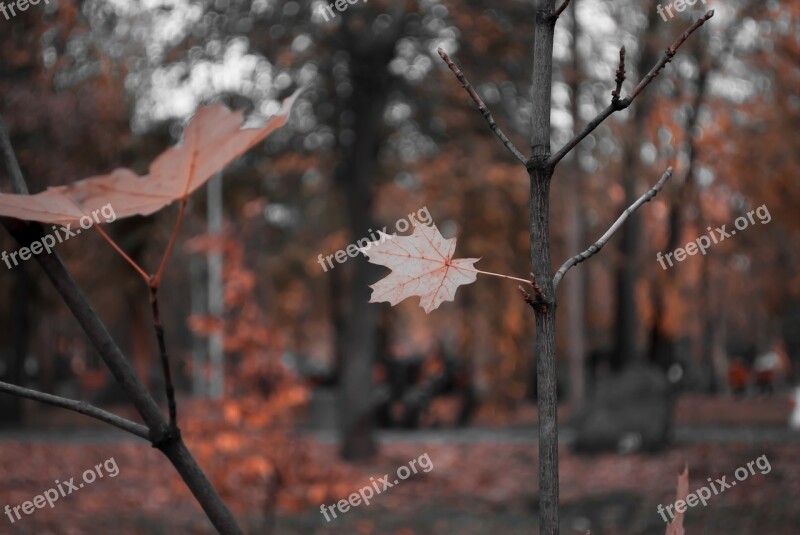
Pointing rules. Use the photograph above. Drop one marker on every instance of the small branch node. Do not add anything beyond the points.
(537, 301)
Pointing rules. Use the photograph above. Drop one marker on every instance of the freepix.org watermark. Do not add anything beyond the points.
(62, 490)
(328, 13)
(351, 251)
(677, 5)
(21, 5)
(714, 237)
(703, 494)
(48, 242)
(382, 484)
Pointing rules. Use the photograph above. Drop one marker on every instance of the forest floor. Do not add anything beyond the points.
(483, 481)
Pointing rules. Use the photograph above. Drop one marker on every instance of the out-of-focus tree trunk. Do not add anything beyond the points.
(369, 57)
(216, 307)
(575, 230)
(626, 324)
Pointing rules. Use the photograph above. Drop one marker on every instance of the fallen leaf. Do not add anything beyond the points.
(422, 265)
(212, 139)
(676, 526)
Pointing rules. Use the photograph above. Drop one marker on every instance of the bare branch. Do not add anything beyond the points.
(596, 246)
(621, 104)
(482, 107)
(620, 79)
(17, 179)
(78, 406)
(561, 9)
(669, 54)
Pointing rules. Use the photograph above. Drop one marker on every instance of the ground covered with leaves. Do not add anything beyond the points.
(472, 488)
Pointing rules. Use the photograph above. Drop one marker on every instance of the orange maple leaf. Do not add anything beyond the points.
(422, 264)
(212, 139)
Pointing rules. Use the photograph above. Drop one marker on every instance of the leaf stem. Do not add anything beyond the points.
(156, 280)
(499, 275)
(122, 253)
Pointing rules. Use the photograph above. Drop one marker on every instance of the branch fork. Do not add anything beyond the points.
(617, 102)
(163, 434)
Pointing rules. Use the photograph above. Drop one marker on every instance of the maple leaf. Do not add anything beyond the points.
(212, 139)
(422, 265)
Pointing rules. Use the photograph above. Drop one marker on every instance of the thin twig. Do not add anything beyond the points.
(615, 95)
(482, 107)
(621, 104)
(669, 54)
(596, 246)
(162, 349)
(561, 9)
(78, 406)
(17, 179)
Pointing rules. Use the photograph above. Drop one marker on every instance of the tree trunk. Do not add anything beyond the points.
(546, 368)
(540, 174)
(575, 229)
(371, 81)
(626, 348)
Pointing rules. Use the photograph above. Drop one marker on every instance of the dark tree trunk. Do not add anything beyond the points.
(371, 82)
(540, 174)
